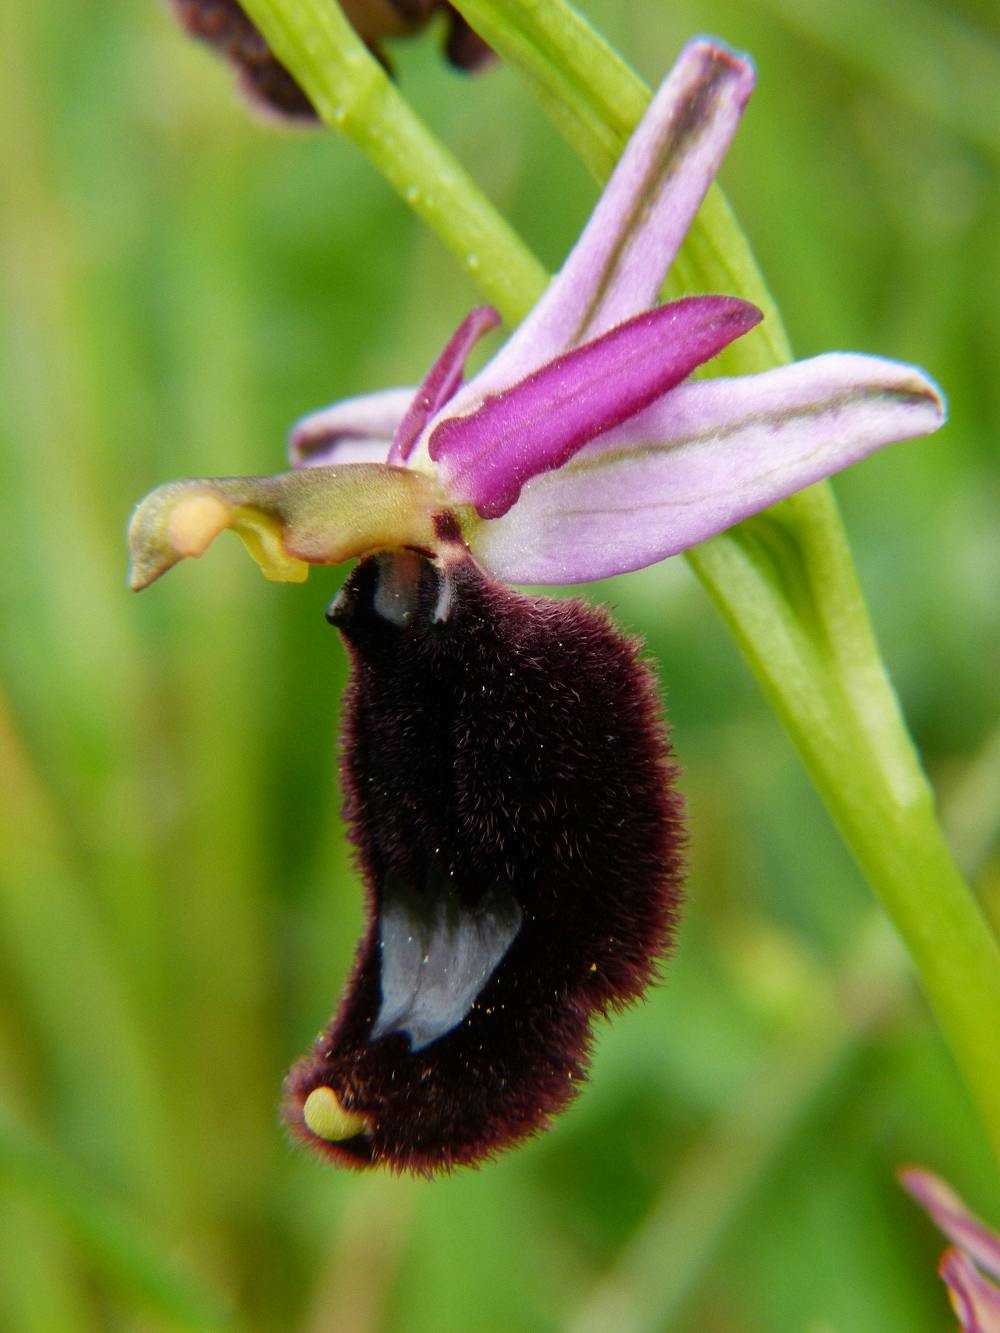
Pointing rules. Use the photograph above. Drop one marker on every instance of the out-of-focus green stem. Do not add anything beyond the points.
(353, 94)
(702, 1200)
(588, 91)
(784, 582)
(959, 88)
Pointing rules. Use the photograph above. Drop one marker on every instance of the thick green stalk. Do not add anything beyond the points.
(703, 1198)
(784, 582)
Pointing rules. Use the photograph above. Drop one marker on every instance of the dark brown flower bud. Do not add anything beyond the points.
(225, 26)
(375, 20)
(511, 797)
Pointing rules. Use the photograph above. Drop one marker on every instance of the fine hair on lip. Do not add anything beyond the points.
(511, 798)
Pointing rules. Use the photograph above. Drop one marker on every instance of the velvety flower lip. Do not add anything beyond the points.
(510, 788)
(975, 1299)
(511, 797)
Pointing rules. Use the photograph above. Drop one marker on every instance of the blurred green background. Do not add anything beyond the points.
(177, 908)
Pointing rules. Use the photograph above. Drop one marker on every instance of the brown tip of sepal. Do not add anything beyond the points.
(512, 799)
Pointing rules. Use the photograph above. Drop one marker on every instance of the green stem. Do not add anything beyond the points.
(354, 96)
(784, 582)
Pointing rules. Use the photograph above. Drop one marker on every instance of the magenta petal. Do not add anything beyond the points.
(535, 426)
(354, 430)
(618, 265)
(442, 380)
(698, 461)
(976, 1301)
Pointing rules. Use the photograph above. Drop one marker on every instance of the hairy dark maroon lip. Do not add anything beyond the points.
(510, 797)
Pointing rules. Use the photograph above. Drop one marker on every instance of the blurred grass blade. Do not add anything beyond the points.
(557, 53)
(64, 976)
(113, 1240)
(354, 95)
(703, 1201)
(723, 1169)
(926, 56)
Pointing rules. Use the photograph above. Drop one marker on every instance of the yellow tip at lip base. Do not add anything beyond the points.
(327, 1119)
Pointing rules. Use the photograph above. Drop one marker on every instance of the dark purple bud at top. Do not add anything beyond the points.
(226, 27)
(375, 20)
(511, 796)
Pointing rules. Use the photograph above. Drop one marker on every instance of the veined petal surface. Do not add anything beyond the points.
(699, 460)
(353, 430)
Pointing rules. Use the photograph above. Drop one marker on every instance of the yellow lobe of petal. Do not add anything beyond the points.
(195, 523)
(327, 1119)
(264, 539)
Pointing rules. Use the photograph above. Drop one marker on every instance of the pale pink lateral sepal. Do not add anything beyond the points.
(975, 1300)
(353, 430)
(699, 460)
(951, 1216)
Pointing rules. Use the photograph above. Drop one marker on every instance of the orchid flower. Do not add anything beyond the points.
(974, 1298)
(510, 790)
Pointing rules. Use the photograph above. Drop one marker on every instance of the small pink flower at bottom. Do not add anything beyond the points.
(974, 1298)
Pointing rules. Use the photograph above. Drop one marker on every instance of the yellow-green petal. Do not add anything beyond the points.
(317, 516)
